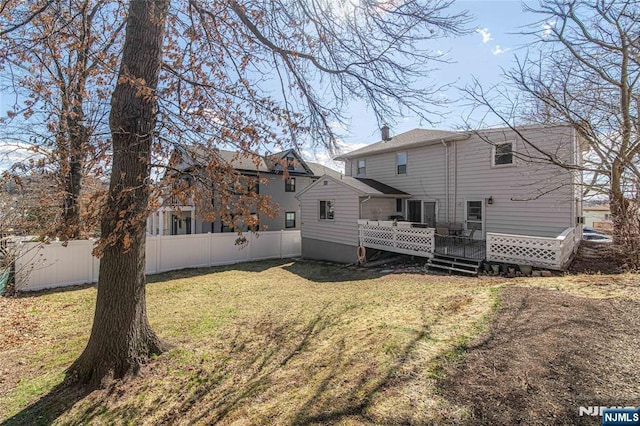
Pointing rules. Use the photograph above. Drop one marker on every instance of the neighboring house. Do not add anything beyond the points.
(178, 218)
(468, 183)
(598, 217)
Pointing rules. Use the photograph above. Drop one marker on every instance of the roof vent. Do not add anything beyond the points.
(385, 133)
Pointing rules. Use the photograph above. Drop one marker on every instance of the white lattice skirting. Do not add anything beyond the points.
(552, 253)
(397, 239)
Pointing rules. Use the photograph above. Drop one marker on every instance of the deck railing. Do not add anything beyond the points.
(551, 253)
(398, 237)
(457, 246)
(406, 238)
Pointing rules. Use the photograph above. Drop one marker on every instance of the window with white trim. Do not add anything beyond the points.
(290, 220)
(290, 185)
(503, 154)
(326, 209)
(362, 167)
(401, 163)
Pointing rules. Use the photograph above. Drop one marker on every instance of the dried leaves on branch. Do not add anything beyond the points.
(200, 76)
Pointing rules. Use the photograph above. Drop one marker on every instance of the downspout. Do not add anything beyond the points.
(446, 180)
(361, 203)
(455, 180)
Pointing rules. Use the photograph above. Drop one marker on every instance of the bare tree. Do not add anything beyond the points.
(61, 63)
(586, 73)
(249, 75)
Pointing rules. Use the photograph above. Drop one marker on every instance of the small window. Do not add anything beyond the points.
(362, 167)
(290, 185)
(401, 163)
(503, 154)
(290, 220)
(398, 204)
(290, 163)
(326, 210)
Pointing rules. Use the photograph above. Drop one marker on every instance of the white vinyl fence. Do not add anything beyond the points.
(52, 265)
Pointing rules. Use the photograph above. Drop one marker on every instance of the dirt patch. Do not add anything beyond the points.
(548, 353)
(597, 258)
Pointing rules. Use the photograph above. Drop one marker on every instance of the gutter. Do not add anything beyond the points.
(392, 147)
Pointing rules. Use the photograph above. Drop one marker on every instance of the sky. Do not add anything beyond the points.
(482, 54)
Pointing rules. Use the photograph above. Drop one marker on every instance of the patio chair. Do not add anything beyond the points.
(467, 233)
(442, 231)
(455, 228)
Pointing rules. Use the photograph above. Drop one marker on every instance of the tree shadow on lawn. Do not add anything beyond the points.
(327, 272)
(301, 380)
(50, 406)
(257, 266)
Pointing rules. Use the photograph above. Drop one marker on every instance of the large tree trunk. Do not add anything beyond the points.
(121, 338)
(78, 139)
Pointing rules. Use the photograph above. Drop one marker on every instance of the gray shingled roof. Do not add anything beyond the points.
(201, 156)
(404, 140)
(371, 186)
(320, 170)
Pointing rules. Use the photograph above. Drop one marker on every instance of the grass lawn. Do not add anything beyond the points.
(276, 342)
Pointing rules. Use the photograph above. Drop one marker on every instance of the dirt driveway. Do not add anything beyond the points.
(548, 353)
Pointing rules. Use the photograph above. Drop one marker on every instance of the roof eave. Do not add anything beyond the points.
(392, 147)
(379, 195)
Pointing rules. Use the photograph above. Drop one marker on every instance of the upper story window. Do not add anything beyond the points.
(503, 154)
(362, 167)
(290, 185)
(326, 210)
(290, 163)
(401, 163)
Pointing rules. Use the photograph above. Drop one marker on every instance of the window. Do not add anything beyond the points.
(326, 210)
(290, 220)
(290, 163)
(362, 167)
(401, 163)
(503, 154)
(290, 185)
(398, 204)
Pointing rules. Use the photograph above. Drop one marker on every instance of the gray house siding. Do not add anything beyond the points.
(528, 198)
(341, 231)
(286, 201)
(377, 208)
(283, 202)
(424, 178)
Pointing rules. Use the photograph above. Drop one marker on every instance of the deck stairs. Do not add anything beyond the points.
(454, 264)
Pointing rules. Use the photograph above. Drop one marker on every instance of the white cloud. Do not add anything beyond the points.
(323, 157)
(486, 35)
(546, 28)
(499, 50)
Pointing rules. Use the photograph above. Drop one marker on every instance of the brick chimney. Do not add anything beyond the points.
(385, 133)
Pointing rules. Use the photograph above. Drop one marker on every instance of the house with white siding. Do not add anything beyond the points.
(501, 194)
(266, 175)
